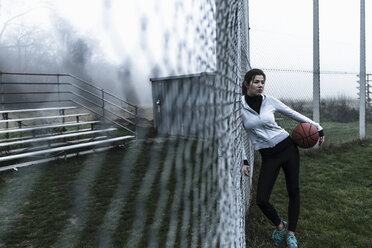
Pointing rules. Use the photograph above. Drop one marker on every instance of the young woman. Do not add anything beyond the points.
(277, 151)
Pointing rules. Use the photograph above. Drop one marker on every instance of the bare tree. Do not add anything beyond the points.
(26, 47)
(9, 21)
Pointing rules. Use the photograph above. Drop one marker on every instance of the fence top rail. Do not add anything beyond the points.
(83, 81)
(35, 109)
(34, 83)
(34, 74)
(130, 104)
(100, 89)
(103, 99)
(67, 75)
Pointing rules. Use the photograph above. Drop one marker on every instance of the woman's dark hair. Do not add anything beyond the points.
(249, 76)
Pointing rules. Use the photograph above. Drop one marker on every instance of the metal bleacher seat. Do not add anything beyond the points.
(22, 142)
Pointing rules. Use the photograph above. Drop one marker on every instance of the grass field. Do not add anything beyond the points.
(130, 196)
(336, 205)
(127, 197)
(336, 132)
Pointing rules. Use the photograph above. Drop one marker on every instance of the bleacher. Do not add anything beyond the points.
(40, 134)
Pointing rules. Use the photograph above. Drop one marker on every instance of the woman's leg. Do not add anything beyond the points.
(291, 171)
(269, 172)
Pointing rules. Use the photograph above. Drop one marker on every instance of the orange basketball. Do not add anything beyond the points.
(305, 135)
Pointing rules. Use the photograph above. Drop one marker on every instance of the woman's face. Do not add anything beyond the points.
(256, 86)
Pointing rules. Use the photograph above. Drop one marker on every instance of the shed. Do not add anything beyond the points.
(185, 105)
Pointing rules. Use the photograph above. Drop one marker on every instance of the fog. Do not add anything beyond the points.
(117, 45)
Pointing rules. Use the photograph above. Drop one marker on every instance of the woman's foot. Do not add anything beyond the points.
(291, 241)
(279, 235)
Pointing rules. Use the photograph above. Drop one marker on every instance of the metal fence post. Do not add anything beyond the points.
(316, 66)
(362, 73)
(368, 92)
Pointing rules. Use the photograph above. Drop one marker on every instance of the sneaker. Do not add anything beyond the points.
(279, 235)
(291, 241)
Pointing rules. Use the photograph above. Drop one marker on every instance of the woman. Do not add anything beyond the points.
(277, 151)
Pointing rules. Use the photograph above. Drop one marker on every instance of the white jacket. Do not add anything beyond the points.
(262, 129)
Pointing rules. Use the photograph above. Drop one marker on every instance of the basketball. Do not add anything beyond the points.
(305, 135)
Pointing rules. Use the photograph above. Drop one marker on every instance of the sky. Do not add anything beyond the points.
(138, 28)
(282, 37)
(157, 37)
(169, 35)
(286, 28)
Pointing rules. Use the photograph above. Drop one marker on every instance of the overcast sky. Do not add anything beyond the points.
(281, 35)
(285, 32)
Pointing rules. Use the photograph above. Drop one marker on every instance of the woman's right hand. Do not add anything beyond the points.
(247, 170)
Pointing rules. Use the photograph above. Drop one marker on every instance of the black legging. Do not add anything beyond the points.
(288, 158)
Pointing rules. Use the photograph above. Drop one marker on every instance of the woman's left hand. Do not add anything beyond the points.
(321, 140)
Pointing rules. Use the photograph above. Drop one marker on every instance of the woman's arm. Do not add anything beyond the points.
(287, 111)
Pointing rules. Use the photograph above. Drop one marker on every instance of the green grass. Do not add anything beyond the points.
(156, 191)
(335, 132)
(336, 205)
(140, 194)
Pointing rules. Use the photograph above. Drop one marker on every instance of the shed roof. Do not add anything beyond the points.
(183, 76)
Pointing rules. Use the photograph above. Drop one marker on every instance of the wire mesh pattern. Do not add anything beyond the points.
(181, 186)
(191, 192)
(284, 50)
(207, 106)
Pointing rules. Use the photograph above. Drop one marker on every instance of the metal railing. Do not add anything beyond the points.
(28, 88)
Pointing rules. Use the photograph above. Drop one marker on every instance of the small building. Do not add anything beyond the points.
(185, 105)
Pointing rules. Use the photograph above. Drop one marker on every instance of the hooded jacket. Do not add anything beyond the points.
(262, 129)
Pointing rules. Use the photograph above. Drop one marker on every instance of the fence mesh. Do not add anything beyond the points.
(284, 49)
(191, 192)
(210, 105)
(180, 185)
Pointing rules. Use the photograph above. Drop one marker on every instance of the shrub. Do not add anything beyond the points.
(339, 109)
(301, 106)
(336, 109)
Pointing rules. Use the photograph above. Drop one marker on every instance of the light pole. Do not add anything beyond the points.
(362, 73)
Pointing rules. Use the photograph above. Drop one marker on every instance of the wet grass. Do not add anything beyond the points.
(336, 132)
(335, 202)
(130, 197)
(127, 197)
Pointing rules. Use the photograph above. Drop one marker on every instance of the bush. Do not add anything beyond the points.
(302, 106)
(299, 105)
(339, 109)
(336, 109)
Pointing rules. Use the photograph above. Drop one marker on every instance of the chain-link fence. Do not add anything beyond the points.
(207, 106)
(284, 50)
(190, 191)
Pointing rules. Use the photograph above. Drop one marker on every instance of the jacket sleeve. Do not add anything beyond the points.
(287, 111)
